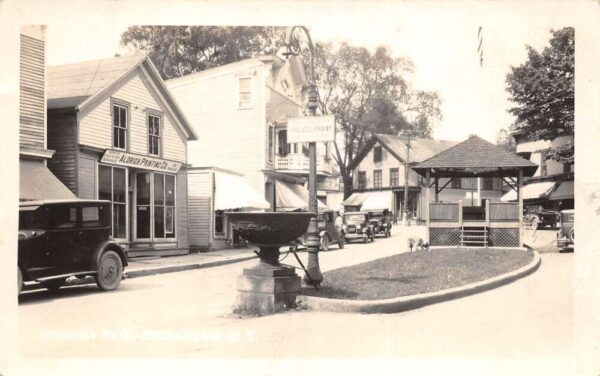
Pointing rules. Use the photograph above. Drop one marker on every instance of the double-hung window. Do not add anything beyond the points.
(377, 154)
(244, 92)
(394, 181)
(377, 179)
(154, 135)
(119, 114)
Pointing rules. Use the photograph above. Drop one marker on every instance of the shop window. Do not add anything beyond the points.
(377, 179)
(245, 92)
(164, 206)
(488, 184)
(119, 115)
(456, 183)
(153, 135)
(394, 178)
(112, 187)
(219, 223)
(362, 180)
(377, 154)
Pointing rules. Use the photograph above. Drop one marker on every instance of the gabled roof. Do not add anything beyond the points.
(280, 107)
(77, 85)
(476, 157)
(420, 148)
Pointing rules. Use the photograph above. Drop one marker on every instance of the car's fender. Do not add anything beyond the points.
(323, 233)
(108, 245)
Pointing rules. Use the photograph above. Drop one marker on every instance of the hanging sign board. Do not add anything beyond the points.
(311, 129)
(122, 158)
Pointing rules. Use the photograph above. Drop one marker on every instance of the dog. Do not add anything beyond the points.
(418, 244)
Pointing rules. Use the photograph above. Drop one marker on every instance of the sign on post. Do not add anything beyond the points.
(311, 129)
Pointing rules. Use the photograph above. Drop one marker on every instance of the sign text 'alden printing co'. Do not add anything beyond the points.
(131, 160)
(311, 129)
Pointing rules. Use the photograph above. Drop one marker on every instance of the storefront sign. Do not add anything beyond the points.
(329, 184)
(311, 129)
(132, 160)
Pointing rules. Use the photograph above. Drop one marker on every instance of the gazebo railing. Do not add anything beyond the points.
(501, 225)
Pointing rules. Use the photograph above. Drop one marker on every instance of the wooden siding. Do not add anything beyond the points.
(86, 177)
(182, 210)
(96, 124)
(32, 98)
(62, 137)
(200, 192)
(228, 137)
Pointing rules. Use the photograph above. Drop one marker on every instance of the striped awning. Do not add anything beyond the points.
(370, 200)
(37, 182)
(293, 197)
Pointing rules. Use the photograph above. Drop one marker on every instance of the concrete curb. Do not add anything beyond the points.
(151, 270)
(407, 303)
(183, 267)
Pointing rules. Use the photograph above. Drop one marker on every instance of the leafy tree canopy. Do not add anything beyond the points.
(180, 50)
(368, 93)
(543, 89)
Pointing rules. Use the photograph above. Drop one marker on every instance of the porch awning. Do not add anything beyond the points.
(370, 200)
(233, 192)
(293, 197)
(354, 199)
(37, 182)
(378, 200)
(530, 191)
(564, 191)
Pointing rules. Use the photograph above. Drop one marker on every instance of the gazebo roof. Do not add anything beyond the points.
(475, 157)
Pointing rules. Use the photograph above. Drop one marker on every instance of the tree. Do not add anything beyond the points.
(180, 50)
(367, 93)
(543, 89)
(506, 141)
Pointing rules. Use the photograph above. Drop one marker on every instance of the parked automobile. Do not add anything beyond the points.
(537, 217)
(565, 238)
(64, 238)
(357, 226)
(330, 230)
(382, 222)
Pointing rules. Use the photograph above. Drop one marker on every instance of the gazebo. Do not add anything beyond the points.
(492, 224)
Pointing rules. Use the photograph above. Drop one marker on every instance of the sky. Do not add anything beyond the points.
(440, 40)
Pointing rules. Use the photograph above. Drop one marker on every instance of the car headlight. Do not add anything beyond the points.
(385, 225)
(358, 227)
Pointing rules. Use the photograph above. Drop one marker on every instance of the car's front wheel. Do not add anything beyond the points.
(54, 284)
(572, 235)
(535, 223)
(110, 271)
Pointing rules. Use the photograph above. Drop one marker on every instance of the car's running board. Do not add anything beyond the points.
(44, 279)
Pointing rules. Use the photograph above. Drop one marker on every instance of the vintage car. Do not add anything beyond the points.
(68, 238)
(537, 217)
(357, 226)
(330, 230)
(565, 238)
(381, 221)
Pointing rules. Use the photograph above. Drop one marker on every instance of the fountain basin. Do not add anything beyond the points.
(268, 286)
(270, 228)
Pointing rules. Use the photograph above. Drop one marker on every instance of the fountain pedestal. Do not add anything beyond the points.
(268, 286)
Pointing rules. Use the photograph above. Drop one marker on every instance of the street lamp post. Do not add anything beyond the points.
(296, 45)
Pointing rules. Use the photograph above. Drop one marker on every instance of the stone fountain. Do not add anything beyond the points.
(268, 286)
